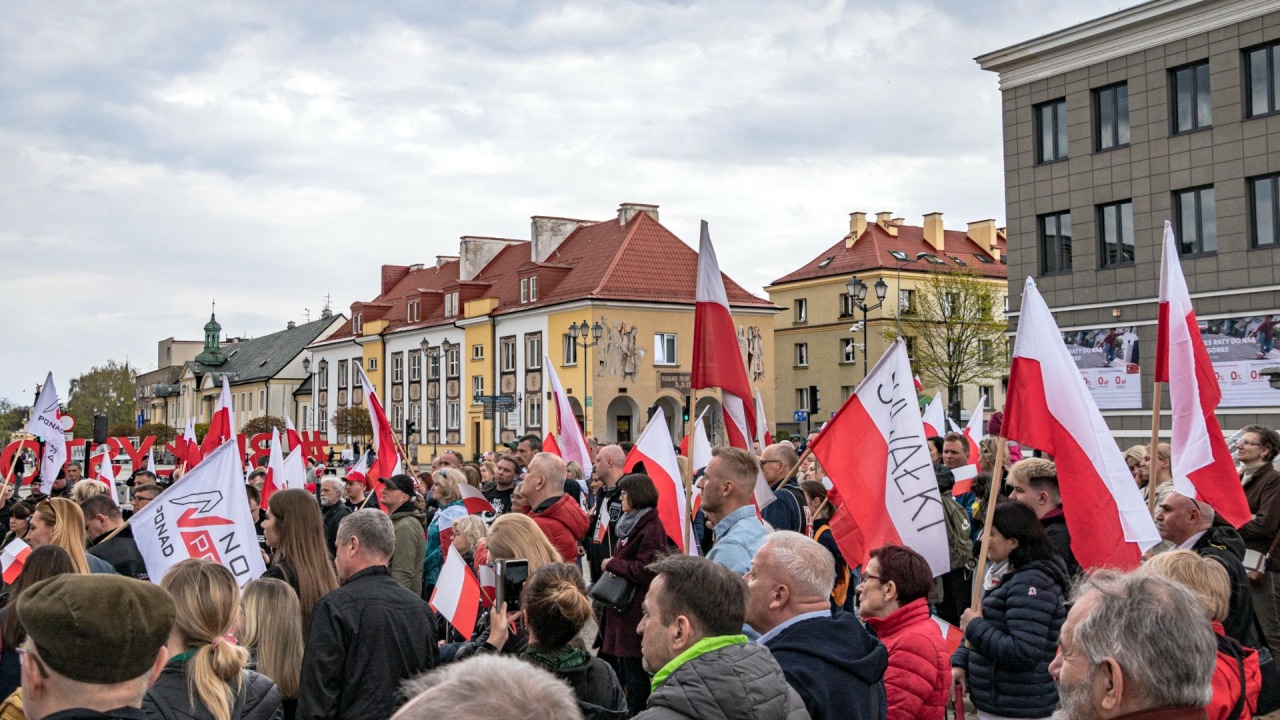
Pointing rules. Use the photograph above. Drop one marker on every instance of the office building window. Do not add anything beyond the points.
(1264, 204)
(848, 350)
(1115, 234)
(1111, 116)
(1051, 130)
(1196, 221)
(802, 354)
(1189, 94)
(664, 349)
(1262, 80)
(533, 351)
(1055, 243)
(802, 310)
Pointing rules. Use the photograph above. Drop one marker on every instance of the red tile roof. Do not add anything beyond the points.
(872, 251)
(639, 262)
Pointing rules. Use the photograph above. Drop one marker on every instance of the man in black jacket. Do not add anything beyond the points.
(368, 636)
(102, 518)
(1034, 483)
(333, 509)
(601, 542)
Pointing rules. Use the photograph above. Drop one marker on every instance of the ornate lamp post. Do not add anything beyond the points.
(858, 293)
(584, 331)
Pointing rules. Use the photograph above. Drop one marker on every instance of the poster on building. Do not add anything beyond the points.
(1108, 363)
(1241, 349)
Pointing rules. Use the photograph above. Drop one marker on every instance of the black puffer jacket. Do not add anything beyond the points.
(170, 698)
(1012, 644)
(1224, 544)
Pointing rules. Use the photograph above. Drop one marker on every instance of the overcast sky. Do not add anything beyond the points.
(155, 156)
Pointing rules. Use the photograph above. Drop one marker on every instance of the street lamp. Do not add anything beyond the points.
(897, 317)
(857, 294)
(594, 332)
(306, 368)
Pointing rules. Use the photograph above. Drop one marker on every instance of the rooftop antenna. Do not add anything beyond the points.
(307, 313)
(327, 300)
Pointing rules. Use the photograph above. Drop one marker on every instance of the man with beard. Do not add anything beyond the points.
(504, 486)
(1134, 646)
(333, 509)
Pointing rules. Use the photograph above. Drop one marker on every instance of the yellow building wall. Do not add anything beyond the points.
(373, 347)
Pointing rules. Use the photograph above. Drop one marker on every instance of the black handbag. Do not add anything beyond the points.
(613, 591)
(1269, 696)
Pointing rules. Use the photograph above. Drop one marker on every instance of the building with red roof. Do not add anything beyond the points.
(826, 342)
(456, 348)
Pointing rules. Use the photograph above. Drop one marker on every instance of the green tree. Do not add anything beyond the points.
(162, 433)
(353, 423)
(956, 331)
(121, 430)
(264, 424)
(107, 390)
(12, 417)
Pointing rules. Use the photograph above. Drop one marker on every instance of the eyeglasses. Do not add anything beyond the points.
(1249, 443)
(869, 576)
(142, 498)
(766, 462)
(44, 671)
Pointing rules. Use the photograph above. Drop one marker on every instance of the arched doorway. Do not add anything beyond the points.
(622, 417)
(714, 420)
(673, 408)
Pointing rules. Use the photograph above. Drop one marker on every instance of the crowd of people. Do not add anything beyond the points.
(768, 620)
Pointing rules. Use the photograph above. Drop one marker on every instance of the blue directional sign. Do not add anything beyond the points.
(801, 415)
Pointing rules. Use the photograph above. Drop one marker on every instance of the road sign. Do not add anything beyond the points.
(800, 415)
(588, 401)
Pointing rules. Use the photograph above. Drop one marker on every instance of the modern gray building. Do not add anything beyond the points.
(1169, 110)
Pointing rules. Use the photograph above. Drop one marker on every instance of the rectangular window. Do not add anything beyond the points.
(1189, 95)
(373, 364)
(1262, 80)
(455, 415)
(570, 350)
(342, 374)
(802, 398)
(1051, 130)
(1196, 221)
(453, 361)
(1055, 243)
(477, 385)
(848, 350)
(397, 418)
(533, 411)
(989, 392)
(911, 346)
(411, 311)
(397, 368)
(322, 421)
(533, 289)
(508, 354)
(907, 302)
(450, 304)
(323, 376)
(846, 391)
(262, 400)
(802, 310)
(433, 415)
(986, 351)
(357, 323)
(433, 365)
(1115, 234)
(846, 305)
(415, 366)
(477, 352)
(533, 351)
(1263, 208)
(664, 349)
(949, 301)
(1111, 116)
(802, 354)
(524, 290)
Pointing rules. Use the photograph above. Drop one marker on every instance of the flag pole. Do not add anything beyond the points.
(1154, 463)
(989, 512)
(793, 469)
(13, 465)
(688, 488)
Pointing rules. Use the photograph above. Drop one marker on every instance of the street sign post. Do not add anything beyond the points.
(801, 415)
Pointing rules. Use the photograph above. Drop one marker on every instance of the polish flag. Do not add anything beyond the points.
(295, 470)
(876, 453)
(602, 526)
(360, 470)
(275, 470)
(700, 455)
(1049, 407)
(45, 422)
(919, 385)
(574, 445)
(488, 578)
(151, 460)
(549, 445)
(975, 430)
(935, 418)
(658, 453)
(1202, 465)
(384, 438)
(12, 558)
(952, 636)
(964, 476)
(762, 427)
(457, 594)
(105, 472)
(474, 500)
(291, 432)
(190, 448)
(222, 427)
(717, 359)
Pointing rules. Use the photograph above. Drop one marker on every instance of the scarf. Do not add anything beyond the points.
(628, 521)
(561, 658)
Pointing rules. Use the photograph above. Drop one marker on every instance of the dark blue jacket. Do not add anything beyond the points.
(785, 513)
(835, 665)
(1012, 644)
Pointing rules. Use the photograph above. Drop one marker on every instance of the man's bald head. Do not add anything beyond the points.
(608, 465)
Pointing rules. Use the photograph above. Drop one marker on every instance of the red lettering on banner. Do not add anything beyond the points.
(200, 545)
(187, 520)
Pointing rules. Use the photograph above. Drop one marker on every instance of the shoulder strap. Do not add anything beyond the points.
(1232, 648)
(824, 528)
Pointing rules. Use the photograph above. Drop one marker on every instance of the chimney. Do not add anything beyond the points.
(983, 232)
(857, 226)
(548, 232)
(392, 274)
(442, 260)
(475, 253)
(290, 325)
(626, 211)
(885, 221)
(933, 233)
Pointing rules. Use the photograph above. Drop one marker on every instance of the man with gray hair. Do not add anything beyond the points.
(486, 687)
(557, 514)
(333, 509)
(786, 512)
(1134, 645)
(789, 602)
(369, 635)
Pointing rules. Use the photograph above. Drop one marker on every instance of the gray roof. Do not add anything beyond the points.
(260, 358)
(304, 388)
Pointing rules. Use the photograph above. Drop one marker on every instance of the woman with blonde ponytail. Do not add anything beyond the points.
(205, 678)
(555, 606)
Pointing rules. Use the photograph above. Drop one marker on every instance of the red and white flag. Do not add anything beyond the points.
(384, 437)
(658, 453)
(963, 476)
(222, 427)
(573, 445)
(457, 594)
(45, 423)
(602, 526)
(1202, 465)
(1048, 407)
(762, 426)
(488, 578)
(717, 358)
(952, 636)
(935, 418)
(919, 385)
(105, 473)
(877, 456)
(700, 453)
(549, 445)
(275, 470)
(188, 447)
(295, 470)
(151, 460)
(975, 430)
(291, 432)
(12, 558)
(474, 500)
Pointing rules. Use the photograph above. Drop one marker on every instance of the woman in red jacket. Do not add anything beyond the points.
(1208, 579)
(894, 601)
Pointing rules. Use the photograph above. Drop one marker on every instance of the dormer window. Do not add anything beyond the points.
(412, 312)
(450, 304)
(528, 290)
(357, 323)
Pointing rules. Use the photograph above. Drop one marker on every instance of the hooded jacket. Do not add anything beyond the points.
(595, 685)
(918, 678)
(835, 678)
(564, 524)
(1011, 645)
(740, 681)
(1225, 545)
(259, 697)
(411, 548)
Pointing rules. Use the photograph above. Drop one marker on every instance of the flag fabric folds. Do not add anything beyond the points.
(222, 427)
(549, 445)
(1048, 407)
(384, 437)
(290, 432)
(655, 449)
(935, 418)
(876, 454)
(975, 430)
(46, 423)
(700, 453)
(573, 446)
(474, 500)
(12, 558)
(191, 454)
(105, 473)
(1202, 465)
(275, 470)
(457, 594)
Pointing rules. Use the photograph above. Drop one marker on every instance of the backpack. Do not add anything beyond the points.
(840, 592)
(959, 543)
